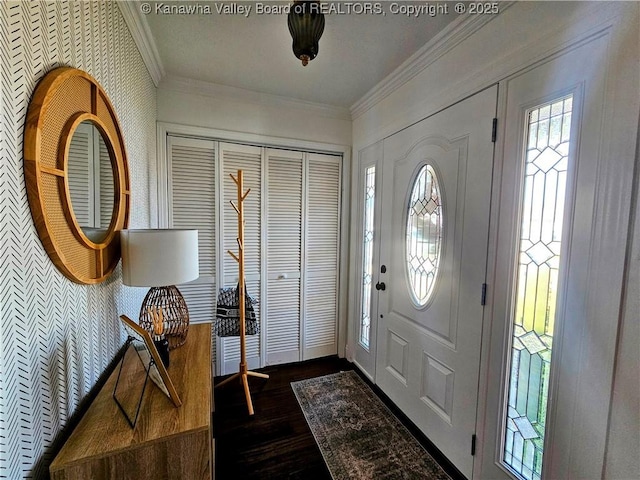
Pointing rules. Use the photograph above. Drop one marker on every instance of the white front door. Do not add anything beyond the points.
(435, 216)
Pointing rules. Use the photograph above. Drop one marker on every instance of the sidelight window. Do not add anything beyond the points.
(367, 254)
(541, 225)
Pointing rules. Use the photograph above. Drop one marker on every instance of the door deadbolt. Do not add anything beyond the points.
(381, 286)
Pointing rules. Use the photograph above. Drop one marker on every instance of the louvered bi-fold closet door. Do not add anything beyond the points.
(192, 204)
(321, 256)
(284, 255)
(248, 159)
(80, 173)
(104, 209)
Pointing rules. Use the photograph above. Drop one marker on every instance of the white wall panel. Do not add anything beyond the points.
(192, 104)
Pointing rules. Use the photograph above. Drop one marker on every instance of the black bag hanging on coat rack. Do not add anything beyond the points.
(228, 313)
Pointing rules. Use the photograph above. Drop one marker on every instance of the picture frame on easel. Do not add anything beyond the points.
(140, 344)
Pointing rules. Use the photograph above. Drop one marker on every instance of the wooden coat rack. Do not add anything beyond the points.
(244, 372)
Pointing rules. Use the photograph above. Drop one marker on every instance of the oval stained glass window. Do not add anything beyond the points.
(424, 235)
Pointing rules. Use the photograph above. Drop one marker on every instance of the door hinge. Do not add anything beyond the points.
(483, 300)
(494, 130)
(473, 444)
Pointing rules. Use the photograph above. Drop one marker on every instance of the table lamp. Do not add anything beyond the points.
(160, 259)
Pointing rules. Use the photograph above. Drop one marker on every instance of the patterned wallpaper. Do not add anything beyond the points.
(57, 337)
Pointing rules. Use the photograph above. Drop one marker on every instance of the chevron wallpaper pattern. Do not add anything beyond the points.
(56, 337)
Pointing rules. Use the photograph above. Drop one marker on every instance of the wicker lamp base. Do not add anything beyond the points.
(174, 312)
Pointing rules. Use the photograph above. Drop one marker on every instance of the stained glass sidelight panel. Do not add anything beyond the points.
(424, 234)
(367, 254)
(545, 175)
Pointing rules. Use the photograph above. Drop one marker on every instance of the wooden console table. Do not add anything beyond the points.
(167, 442)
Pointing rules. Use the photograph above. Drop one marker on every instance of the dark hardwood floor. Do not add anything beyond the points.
(276, 442)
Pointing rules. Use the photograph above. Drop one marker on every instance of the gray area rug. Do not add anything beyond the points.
(357, 434)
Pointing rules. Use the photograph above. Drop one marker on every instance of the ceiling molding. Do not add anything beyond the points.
(452, 35)
(143, 38)
(208, 89)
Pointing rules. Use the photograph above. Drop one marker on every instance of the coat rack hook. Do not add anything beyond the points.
(233, 178)
(245, 195)
(235, 257)
(234, 206)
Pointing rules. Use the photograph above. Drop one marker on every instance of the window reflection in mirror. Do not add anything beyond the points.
(91, 182)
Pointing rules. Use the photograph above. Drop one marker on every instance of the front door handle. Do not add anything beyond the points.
(381, 286)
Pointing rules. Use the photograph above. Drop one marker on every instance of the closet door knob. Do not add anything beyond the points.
(381, 286)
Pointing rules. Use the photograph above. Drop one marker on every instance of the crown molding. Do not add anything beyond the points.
(451, 36)
(143, 38)
(215, 90)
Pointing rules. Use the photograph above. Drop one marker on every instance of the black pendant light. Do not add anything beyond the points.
(306, 24)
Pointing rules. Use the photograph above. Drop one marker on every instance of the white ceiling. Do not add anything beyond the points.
(254, 52)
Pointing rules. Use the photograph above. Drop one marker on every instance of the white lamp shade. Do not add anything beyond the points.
(159, 258)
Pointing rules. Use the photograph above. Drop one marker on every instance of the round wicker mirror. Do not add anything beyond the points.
(65, 102)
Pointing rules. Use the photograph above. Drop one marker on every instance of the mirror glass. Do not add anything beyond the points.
(91, 181)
